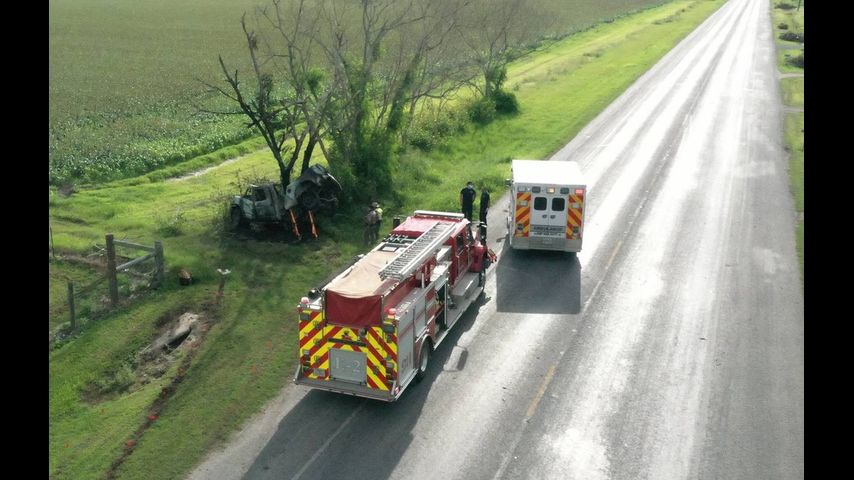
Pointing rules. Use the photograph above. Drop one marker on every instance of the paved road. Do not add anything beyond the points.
(671, 347)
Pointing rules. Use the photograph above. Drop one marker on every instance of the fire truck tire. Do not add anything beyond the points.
(424, 360)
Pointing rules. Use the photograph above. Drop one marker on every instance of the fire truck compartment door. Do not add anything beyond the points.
(406, 344)
(348, 366)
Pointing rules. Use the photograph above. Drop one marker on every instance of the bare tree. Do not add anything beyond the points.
(496, 33)
(426, 64)
(351, 71)
(292, 51)
(371, 87)
(275, 111)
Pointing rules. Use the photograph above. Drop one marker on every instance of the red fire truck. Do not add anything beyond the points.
(370, 331)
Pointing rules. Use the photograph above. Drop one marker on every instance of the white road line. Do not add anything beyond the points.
(328, 441)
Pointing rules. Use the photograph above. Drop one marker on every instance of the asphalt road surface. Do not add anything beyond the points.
(671, 347)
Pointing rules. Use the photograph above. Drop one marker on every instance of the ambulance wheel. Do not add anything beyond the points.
(424, 361)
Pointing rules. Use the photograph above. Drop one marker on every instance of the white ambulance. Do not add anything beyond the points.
(546, 205)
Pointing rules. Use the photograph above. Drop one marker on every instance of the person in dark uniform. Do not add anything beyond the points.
(484, 204)
(467, 195)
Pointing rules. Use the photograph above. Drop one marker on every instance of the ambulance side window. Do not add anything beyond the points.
(540, 203)
(558, 204)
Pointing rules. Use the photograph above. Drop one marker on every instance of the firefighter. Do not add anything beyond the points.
(467, 195)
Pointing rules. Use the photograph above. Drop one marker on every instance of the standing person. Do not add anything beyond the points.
(467, 195)
(371, 221)
(379, 211)
(484, 204)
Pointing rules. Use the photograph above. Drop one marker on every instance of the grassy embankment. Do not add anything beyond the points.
(793, 96)
(249, 353)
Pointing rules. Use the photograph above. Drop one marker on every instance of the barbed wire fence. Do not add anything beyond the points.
(148, 269)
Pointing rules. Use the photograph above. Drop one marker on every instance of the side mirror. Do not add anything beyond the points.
(508, 182)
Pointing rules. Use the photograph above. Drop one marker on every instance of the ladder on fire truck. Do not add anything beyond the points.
(416, 253)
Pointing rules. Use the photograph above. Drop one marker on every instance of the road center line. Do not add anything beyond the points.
(328, 441)
(533, 407)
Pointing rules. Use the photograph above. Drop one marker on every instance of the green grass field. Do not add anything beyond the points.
(120, 79)
(793, 91)
(248, 354)
(60, 274)
(793, 96)
(794, 135)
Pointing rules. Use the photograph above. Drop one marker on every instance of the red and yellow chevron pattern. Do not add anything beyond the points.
(523, 214)
(317, 338)
(574, 215)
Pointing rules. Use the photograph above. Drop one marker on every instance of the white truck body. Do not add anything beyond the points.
(546, 205)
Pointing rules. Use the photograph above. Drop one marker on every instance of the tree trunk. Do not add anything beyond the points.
(309, 149)
(284, 170)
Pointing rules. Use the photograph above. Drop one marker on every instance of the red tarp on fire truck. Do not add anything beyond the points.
(355, 299)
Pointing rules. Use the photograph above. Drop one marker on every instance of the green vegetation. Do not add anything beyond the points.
(123, 107)
(793, 91)
(60, 274)
(794, 130)
(787, 20)
(249, 351)
(789, 23)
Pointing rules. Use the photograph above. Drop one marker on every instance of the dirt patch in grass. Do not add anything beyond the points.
(177, 334)
(181, 335)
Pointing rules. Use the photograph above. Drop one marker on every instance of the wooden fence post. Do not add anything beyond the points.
(159, 264)
(71, 304)
(111, 271)
(52, 250)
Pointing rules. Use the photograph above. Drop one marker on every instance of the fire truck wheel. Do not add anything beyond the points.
(426, 350)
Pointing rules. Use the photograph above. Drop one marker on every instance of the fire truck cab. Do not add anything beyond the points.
(370, 331)
(546, 205)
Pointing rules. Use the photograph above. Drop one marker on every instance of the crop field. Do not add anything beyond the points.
(123, 79)
(101, 395)
(122, 75)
